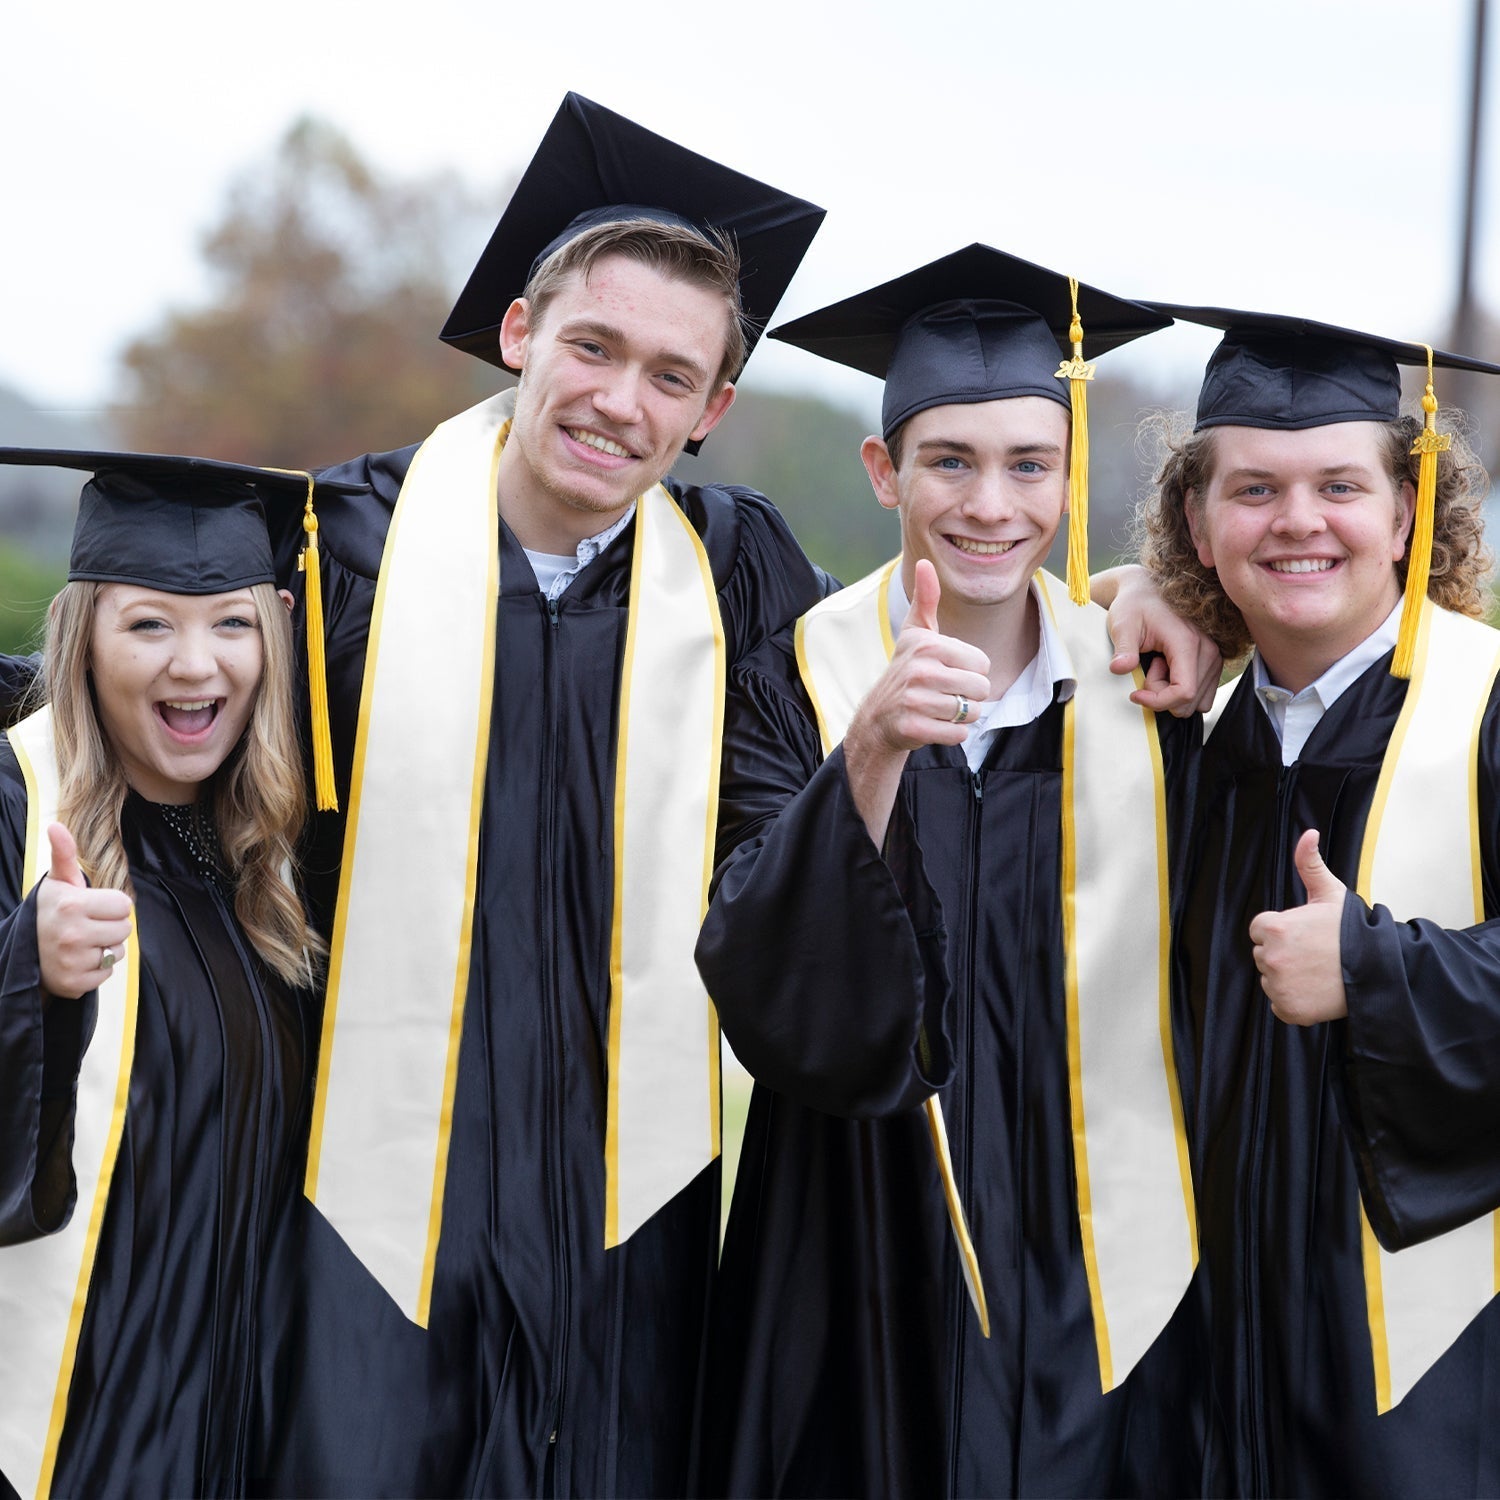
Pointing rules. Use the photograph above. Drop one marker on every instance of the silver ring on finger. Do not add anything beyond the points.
(108, 958)
(961, 709)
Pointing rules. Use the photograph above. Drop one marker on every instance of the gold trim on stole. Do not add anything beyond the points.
(52, 1274)
(1464, 656)
(688, 694)
(1159, 1248)
(456, 506)
(1152, 1251)
(453, 522)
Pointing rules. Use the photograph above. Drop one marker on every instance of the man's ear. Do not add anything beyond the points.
(876, 458)
(1194, 514)
(515, 328)
(286, 599)
(714, 413)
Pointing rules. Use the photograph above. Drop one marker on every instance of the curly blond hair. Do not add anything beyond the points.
(259, 793)
(1184, 462)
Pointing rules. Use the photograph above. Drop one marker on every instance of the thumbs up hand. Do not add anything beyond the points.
(1297, 951)
(76, 927)
(926, 696)
(927, 594)
(929, 693)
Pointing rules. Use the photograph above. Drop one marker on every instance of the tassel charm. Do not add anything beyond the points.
(1430, 442)
(1077, 372)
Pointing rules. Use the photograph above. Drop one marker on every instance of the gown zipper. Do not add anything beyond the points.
(958, 1300)
(553, 1072)
(1276, 900)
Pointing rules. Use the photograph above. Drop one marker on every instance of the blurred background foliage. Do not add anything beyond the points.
(333, 281)
(330, 280)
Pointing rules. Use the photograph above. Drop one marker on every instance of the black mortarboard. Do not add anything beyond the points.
(981, 325)
(194, 526)
(593, 167)
(977, 325)
(1290, 373)
(182, 525)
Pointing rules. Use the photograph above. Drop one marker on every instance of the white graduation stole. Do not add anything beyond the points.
(44, 1283)
(399, 968)
(1135, 1196)
(1426, 810)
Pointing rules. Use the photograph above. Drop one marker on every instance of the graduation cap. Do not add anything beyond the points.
(596, 167)
(195, 526)
(981, 325)
(1290, 373)
(1293, 373)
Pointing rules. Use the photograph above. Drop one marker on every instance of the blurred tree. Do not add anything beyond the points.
(332, 284)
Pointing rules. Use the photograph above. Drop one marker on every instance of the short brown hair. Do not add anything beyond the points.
(1185, 467)
(709, 259)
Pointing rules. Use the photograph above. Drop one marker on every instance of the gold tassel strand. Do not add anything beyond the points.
(1430, 442)
(325, 793)
(1077, 372)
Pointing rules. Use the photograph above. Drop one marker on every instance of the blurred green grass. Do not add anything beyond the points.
(26, 588)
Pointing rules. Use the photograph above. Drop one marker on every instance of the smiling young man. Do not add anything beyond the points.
(1335, 950)
(943, 837)
(513, 1161)
(616, 368)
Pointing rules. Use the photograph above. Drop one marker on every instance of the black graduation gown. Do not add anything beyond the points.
(17, 674)
(847, 1360)
(1400, 1101)
(549, 1365)
(171, 1355)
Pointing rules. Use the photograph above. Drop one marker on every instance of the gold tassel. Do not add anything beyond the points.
(317, 668)
(1076, 372)
(1430, 442)
(325, 793)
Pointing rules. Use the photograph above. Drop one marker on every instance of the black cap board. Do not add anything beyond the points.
(594, 166)
(1290, 373)
(182, 525)
(977, 325)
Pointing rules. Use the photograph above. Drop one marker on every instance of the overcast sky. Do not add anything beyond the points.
(1300, 156)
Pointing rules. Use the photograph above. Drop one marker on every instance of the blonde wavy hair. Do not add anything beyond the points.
(259, 793)
(1184, 462)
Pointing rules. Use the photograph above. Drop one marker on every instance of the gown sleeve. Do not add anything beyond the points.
(1421, 1057)
(824, 956)
(41, 1051)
